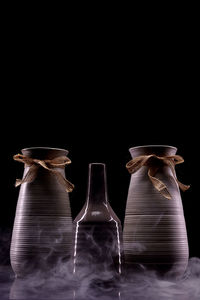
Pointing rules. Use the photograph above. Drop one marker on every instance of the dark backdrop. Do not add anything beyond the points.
(97, 98)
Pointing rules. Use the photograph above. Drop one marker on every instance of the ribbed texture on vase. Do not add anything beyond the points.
(154, 228)
(42, 232)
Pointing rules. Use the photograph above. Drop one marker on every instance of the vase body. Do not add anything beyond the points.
(97, 230)
(154, 228)
(42, 232)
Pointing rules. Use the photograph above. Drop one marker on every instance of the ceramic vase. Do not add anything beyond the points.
(42, 232)
(154, 232)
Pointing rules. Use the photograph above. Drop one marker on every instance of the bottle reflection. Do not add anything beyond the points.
(100, 295)
(39, 288)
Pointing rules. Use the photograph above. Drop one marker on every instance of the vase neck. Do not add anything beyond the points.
(97, 186)
(160, 150)
(44, 152)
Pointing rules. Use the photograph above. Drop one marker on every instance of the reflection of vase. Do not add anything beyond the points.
(97, 230)
(34, 287)
(42, 229)
(154, 228)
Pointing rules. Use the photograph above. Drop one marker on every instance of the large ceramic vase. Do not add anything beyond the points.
(97, 231)
(154, 228)
(42, 232)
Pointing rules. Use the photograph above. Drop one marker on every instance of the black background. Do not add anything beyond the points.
(97, 91)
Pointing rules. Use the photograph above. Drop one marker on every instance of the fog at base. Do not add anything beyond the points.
(60, 282)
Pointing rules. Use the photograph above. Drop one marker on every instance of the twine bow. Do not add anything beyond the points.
(146, 160)
(35, 164)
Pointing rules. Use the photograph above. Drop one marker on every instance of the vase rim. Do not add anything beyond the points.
(95, 163)
(45, 148)
(154, 146)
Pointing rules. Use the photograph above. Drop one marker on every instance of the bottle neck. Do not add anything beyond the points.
(97, 186)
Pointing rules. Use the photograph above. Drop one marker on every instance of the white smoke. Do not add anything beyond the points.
(60, 283)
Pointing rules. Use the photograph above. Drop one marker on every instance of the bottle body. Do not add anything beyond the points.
(97, 230)
(42, 231)
(154, 229)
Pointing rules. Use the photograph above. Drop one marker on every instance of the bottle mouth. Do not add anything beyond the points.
(160, 150)
(96, 164)
(41, 148)
(153, 146)
(44, 152)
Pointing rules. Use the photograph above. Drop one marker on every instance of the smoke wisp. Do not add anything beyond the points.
(60, 282)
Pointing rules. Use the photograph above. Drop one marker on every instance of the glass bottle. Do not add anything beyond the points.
(97, 230)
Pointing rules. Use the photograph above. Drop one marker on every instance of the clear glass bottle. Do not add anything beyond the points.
(97, 230)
